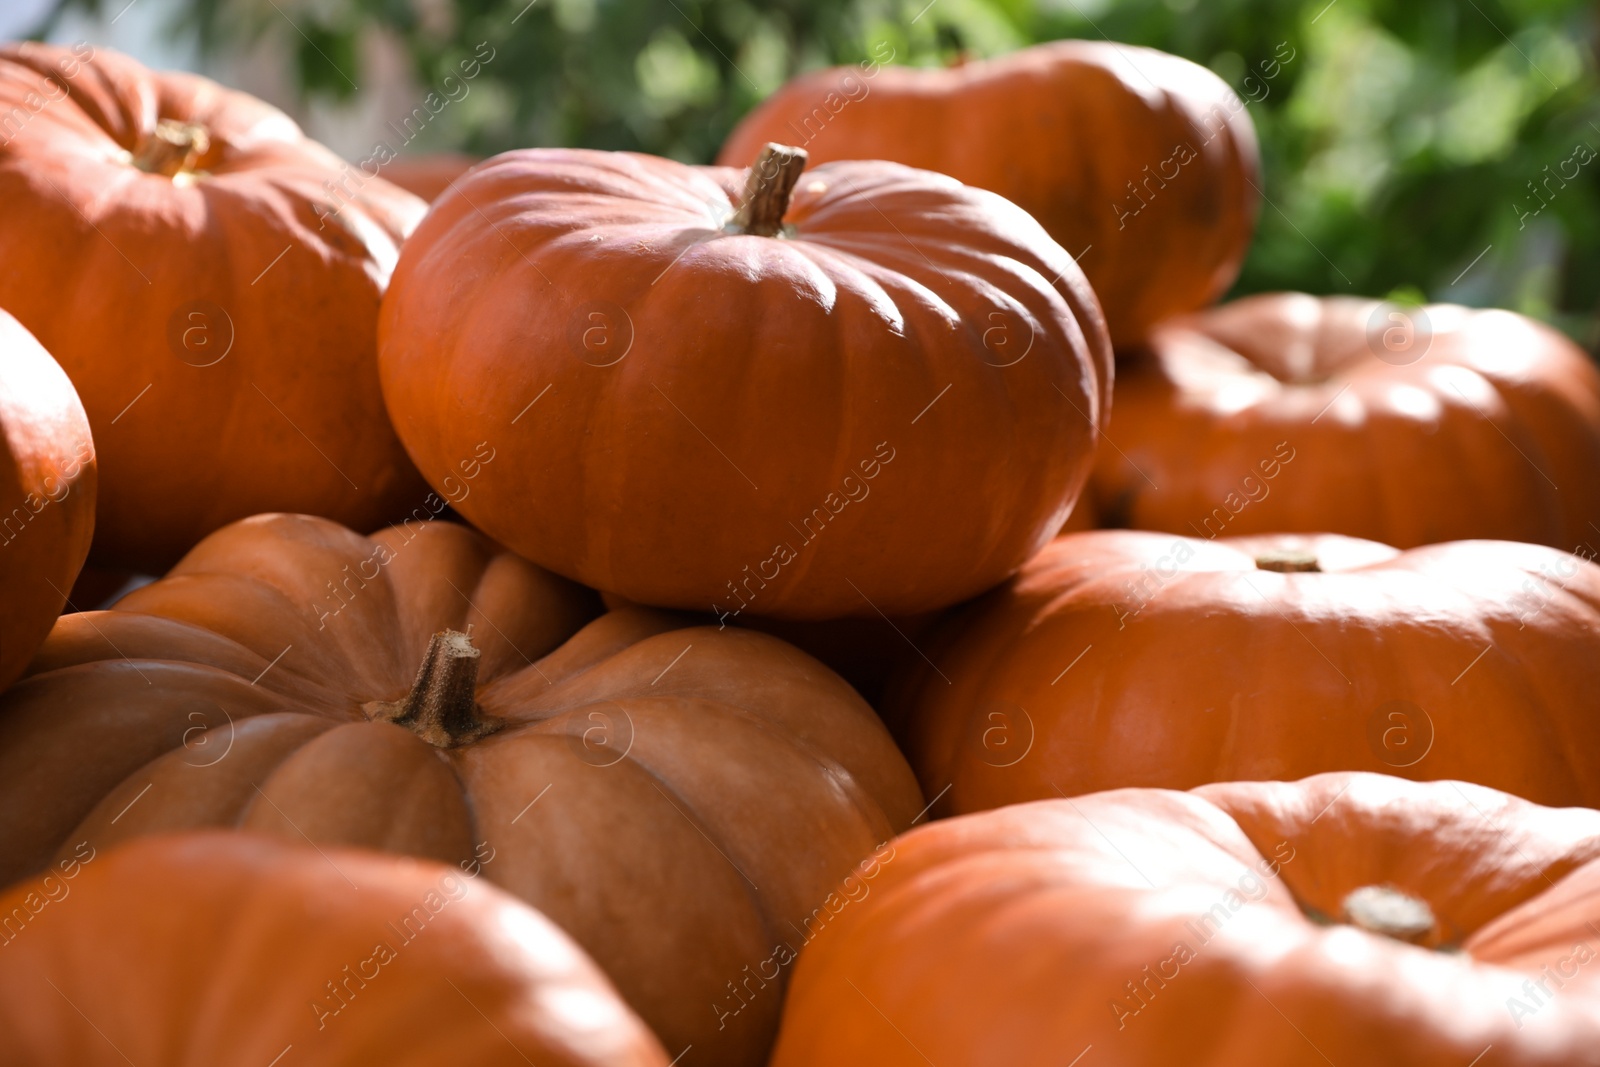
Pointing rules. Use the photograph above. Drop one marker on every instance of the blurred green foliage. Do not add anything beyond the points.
(1420, 147)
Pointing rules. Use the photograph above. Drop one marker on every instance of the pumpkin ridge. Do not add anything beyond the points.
(598, 631)
(136, 719)
(729, 290)
(1397, 631)
(1036, 126)
(682, 688)
(269, 674)
(927, 951)
(400, 794)
(859, 795)
(671, 794)
(184, 305)
(784, 813)
(305, 692)
(1406, 453)
(160, 770)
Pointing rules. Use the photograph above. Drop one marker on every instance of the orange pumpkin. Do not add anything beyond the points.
(209, 280)
(47, 491)
(1142, 164)
(805, 408)
(1125, 658)
(1344, 918)
(1408, 426)
(241, 951)
(672, 797)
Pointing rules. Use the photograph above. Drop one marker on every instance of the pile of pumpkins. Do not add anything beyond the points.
(633, 613)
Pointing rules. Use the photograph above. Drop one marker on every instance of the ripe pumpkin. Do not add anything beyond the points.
(209, 280)
(1343, 918)
(400, 962)
(1143, 165)
(672, 797)
(804, 408)
(1126, 658)
(47, 491)
(430, 175)
(1408, 426)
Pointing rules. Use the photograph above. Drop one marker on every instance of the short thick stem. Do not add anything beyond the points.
(172, 148)
(1383, 909)
(767, 189)
(1288, 561)
(442, 706)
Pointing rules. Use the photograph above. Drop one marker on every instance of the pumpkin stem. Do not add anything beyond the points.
(767, 189)
(172, 148)
(1288, 561)
(441, 708)
(1383, 909)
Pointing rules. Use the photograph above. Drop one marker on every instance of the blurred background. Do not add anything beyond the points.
(1427, 149)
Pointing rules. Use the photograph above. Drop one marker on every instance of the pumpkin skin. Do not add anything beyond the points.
(267, 929)
(1163, 927)
(1125, 658)
(1142, 164)
(684, 766)
(430, 175)
(1481, 424)
(228, 364)
(47, 493)
(769, 414)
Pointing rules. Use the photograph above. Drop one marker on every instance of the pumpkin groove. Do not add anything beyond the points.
(1125, 657)
(641, 779)
(1288, 413)
(209, 279)
(722, 355)
(1078, 134)
(1161, 928)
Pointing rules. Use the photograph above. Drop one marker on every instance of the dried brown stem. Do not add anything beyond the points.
(442, 706)
(767, 189)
